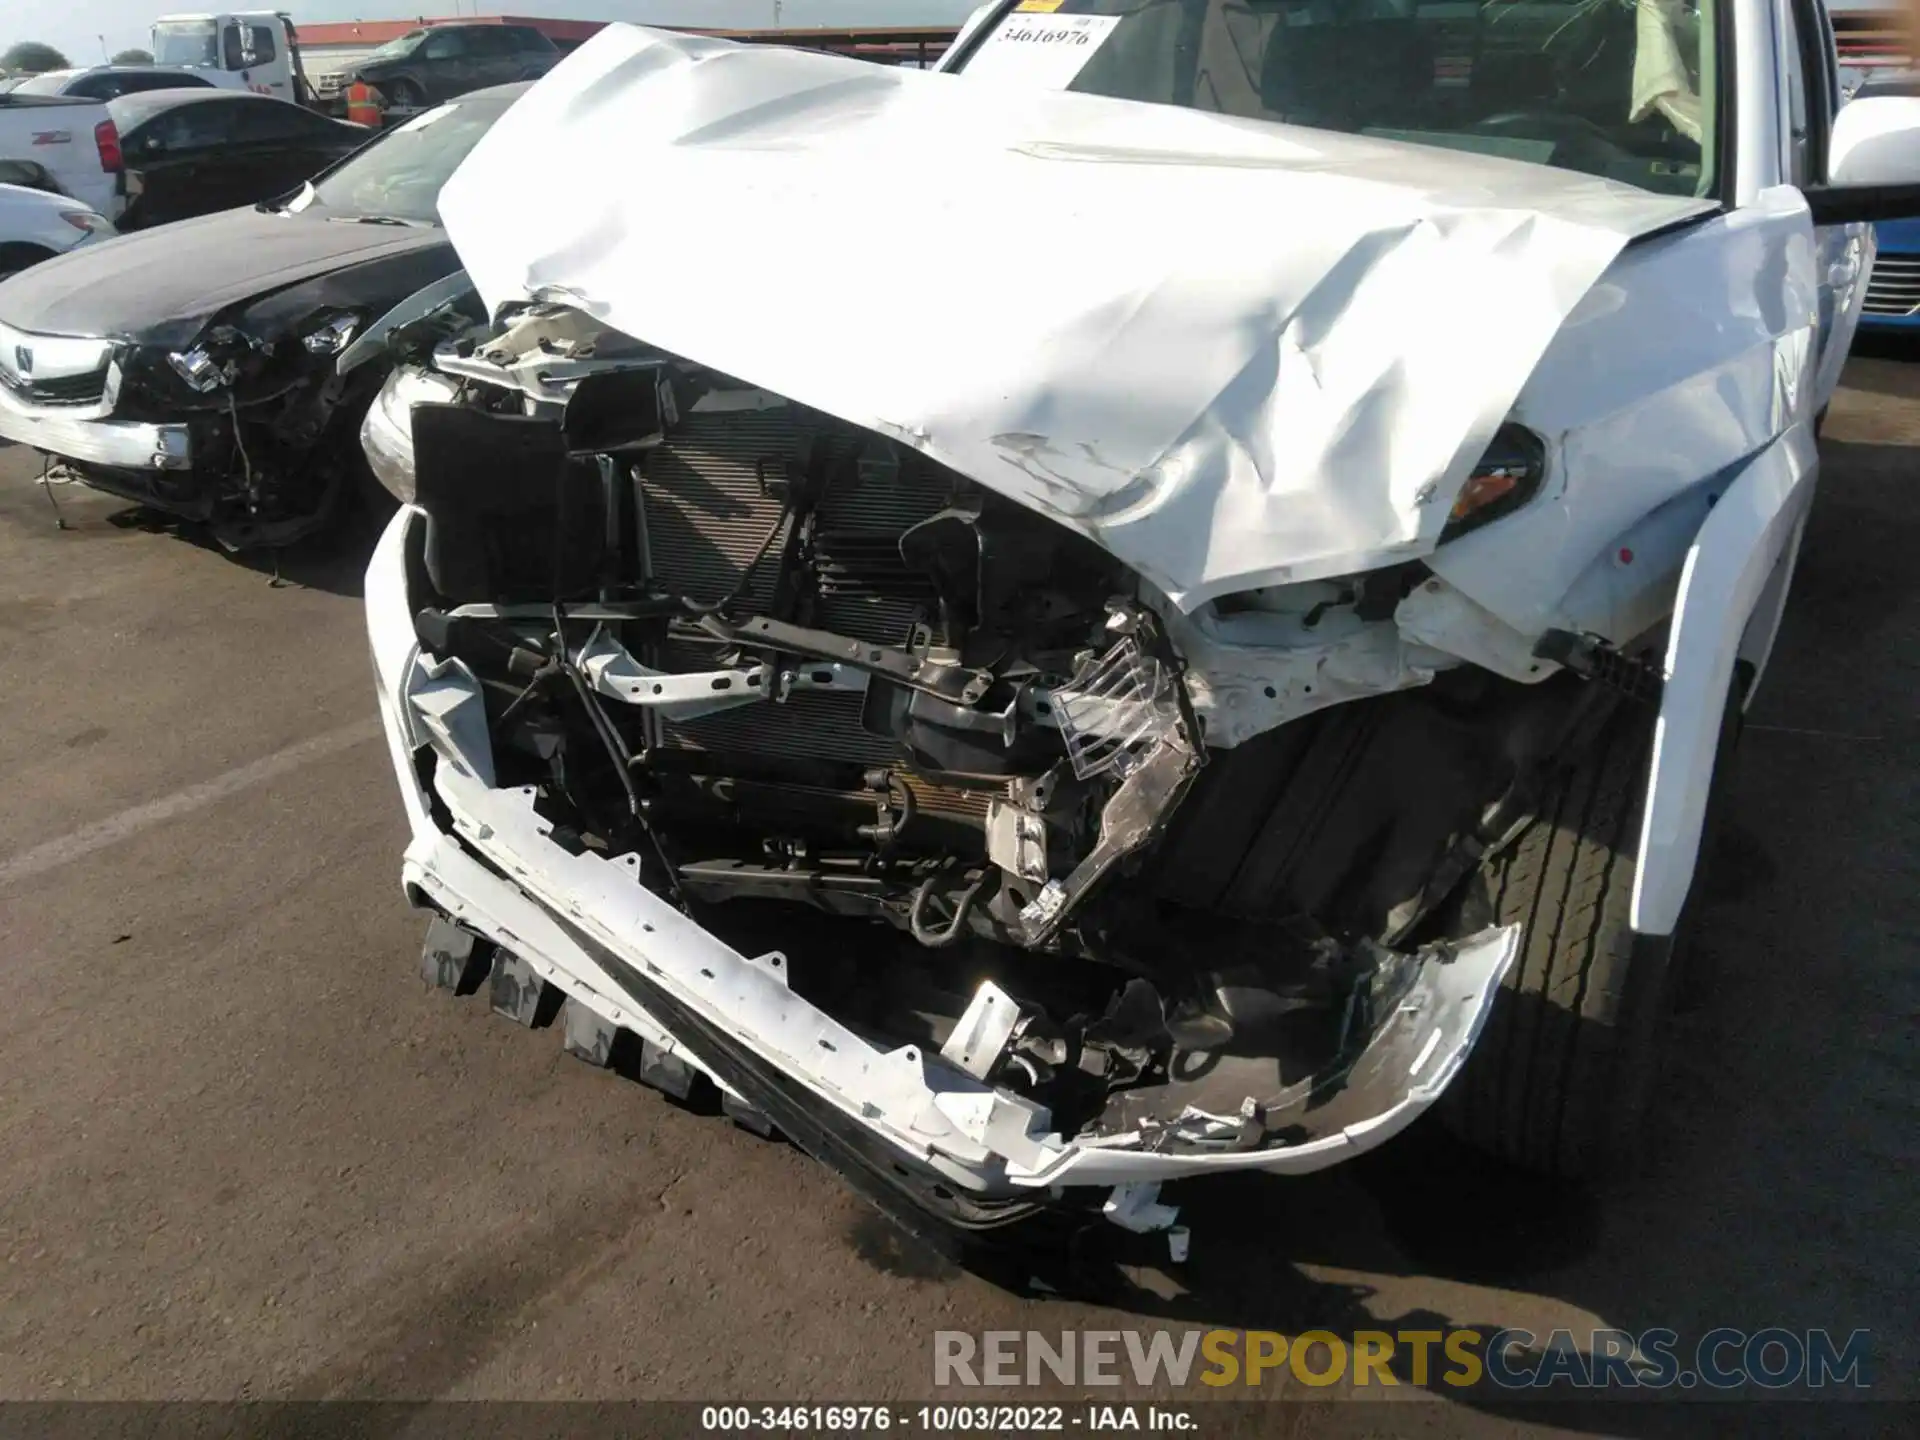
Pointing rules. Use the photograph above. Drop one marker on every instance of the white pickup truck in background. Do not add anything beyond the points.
(69, 146)
(257, 50)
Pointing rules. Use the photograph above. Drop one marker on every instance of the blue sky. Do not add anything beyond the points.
(75, 26)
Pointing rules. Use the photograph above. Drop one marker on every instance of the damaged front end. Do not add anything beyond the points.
(268, 448)
(242, 417)
(904, 813)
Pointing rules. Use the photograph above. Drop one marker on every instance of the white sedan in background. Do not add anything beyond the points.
(36, 225)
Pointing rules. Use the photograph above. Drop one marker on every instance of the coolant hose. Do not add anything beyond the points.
(917, 914)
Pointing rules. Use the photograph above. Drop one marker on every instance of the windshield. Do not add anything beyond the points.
(1619, 88)
(394, 49)
(186, 42)
(398, 176)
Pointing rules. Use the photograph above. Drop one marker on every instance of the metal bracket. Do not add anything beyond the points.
(980, 1038)
(1017, 841)
(454, 957)
(1136, 1207)
(946, 682)
(1131, 818)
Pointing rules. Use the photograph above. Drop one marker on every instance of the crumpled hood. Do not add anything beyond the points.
(1233, 353)
(161, 285)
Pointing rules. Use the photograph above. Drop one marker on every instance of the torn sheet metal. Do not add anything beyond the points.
(1233, 353)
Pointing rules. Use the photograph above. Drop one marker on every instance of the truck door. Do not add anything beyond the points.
(233, 45)
(249, 50)
(267, 71)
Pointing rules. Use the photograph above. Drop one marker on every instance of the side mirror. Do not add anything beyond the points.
(1873, 163)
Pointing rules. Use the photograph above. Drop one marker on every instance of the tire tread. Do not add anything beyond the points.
(1539, 1087)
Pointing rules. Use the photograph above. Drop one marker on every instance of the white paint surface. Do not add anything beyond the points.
(1231, 352)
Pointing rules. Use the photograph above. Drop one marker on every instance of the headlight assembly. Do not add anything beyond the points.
(215, 363)
(331, 335)
(1507, 476)
(200, 370)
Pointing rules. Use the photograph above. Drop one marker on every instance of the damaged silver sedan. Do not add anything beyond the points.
(1129, 722)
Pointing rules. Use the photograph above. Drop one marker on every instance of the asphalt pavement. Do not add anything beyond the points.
(244, 1153)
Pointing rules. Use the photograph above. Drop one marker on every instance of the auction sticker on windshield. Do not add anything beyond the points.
(1040, 49)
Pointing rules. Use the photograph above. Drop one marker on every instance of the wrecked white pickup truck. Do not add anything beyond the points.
(1269, 621)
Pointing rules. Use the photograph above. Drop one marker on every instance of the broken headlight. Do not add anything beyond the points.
(214, 364)
(1507, 476)
(1116, 709)
(331, 335)
(200, 370)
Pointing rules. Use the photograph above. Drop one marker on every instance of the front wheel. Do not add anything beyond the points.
(1560, 1078)
(405, 95)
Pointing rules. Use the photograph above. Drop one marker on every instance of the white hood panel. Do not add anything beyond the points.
(1232, 353)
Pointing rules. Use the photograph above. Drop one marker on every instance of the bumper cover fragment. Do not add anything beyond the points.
(122, 444)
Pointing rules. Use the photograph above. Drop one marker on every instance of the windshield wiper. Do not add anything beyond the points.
(376, 220)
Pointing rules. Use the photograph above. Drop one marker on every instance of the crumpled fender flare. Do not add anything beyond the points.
(1732, 592)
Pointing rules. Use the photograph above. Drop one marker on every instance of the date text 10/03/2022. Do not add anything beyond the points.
(1014, 1419)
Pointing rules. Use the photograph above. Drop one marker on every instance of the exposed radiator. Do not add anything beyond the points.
(707, 510)
(816, 725)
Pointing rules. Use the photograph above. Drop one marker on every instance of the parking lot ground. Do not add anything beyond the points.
(244, 1154)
